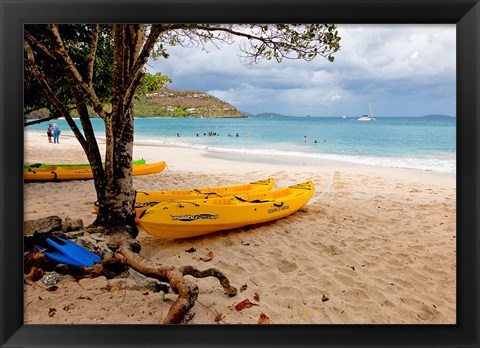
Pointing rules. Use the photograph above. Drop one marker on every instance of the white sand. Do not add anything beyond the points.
(379, 243)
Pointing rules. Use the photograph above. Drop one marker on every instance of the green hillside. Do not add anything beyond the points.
(183, 103)
(169, 102)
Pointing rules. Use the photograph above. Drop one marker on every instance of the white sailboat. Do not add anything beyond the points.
(367, 117)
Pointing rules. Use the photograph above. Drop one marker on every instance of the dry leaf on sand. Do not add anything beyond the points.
(244, 304)
(263, 319)
(205, 258)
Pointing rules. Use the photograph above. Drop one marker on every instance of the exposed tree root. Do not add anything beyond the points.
(186, 290)
(211, 272)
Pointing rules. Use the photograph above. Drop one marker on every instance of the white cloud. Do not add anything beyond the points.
(385, 64)
(394, 51)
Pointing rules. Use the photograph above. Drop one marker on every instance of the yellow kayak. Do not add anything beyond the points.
(72, 165)
(147, 199)
(191, 218)
(55, 173)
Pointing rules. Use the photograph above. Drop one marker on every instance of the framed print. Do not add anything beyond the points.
(341, 192)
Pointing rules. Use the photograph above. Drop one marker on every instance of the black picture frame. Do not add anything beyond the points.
(464, 13)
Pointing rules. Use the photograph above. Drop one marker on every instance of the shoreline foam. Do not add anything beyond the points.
(437, 163)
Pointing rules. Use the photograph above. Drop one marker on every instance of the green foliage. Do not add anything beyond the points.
(152, 83)
(294, 41)
(77, 39)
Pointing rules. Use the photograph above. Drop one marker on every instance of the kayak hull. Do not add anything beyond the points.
(147, 199)
(67, 165)
(82, 173)
(191, 218)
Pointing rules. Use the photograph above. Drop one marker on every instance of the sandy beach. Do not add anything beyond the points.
(373, 246)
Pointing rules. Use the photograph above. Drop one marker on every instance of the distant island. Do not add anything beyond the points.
(273, 114)
(437, 116)
(268, 114)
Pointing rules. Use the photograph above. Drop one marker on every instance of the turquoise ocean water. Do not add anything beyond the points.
(397, 142)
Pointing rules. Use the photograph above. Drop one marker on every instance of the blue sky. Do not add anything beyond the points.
(401, 70)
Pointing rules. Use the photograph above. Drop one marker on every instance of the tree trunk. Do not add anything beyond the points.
(117, 207)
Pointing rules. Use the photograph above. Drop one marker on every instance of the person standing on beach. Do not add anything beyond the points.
(305, 139)
(56, 133)
(49, 132)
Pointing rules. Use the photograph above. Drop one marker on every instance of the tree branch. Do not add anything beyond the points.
(75, 76)
(118, 73)
(48, 92)
(141, 60)
(25, 124)
(229, 31)
(93, 52)
(279, 41)
(38, 44)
